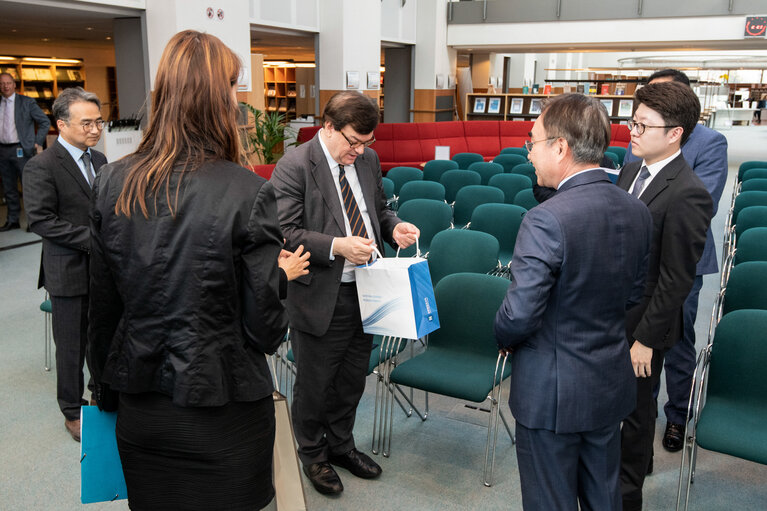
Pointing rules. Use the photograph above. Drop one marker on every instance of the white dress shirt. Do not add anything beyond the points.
(8, 128)
(77, 155)
(653, 169)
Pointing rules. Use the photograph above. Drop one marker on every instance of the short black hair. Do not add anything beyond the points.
(675, 74)
(676, 103)
(350, 108)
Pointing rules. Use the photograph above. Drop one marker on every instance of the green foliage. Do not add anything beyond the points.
(267, 134)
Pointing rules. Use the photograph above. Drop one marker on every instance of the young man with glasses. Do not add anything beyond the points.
(57, 193)
(665, 116)
(330, 199)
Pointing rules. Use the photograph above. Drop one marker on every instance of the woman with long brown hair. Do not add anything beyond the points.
(185, 295)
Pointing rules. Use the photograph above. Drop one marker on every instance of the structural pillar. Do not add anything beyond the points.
(434, 94)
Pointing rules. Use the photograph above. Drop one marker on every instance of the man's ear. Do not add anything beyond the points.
(675, 134)
(60, 124)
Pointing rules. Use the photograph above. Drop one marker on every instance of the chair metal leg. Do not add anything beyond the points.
(48, 341)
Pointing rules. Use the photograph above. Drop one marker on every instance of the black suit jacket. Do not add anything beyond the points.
(681, 210)
(57, 199)
(311, 215)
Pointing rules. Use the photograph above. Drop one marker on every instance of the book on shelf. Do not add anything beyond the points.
(605, 89)
(43, 73)
(27, 73)
(47, 93)
(592, 88)
(32, 93)
(580, 88)
(620, 89)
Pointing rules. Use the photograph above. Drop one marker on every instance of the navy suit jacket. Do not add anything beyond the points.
(26, 113)
(579, 262)
(706, 153)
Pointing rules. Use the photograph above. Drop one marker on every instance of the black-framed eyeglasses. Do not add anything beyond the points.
(87, 126)
(355, 145)
(530, 143)
(640, 127)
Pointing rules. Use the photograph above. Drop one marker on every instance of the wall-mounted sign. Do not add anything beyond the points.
(352, 80)
(756, 26)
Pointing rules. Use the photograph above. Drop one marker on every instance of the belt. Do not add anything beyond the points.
(349, 284)
(9, 145)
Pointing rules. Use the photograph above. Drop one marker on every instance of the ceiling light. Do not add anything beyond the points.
(52, 60)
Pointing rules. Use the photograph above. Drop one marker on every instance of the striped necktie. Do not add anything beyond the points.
(350, 205)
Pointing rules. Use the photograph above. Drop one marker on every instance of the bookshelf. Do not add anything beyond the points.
(280, 90)
(526, 107)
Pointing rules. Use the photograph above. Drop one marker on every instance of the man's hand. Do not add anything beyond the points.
(38, 149)
(294, 264)
(641, 359)
(405, 234)
(355, 249)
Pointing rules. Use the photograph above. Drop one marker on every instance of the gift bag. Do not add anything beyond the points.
(396, 297)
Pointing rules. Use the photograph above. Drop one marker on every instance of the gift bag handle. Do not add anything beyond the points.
(417, 249)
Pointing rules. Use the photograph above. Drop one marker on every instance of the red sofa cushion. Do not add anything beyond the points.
(264, 171)
(384, 144)
(514, 133)
(306, 133)
(407, 146)
(483, 137)
(427, 136)
(451, 133)
(620, 135)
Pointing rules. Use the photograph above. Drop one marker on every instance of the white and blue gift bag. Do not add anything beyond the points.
(396, 297)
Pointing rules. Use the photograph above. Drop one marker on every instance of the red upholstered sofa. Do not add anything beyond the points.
(411, 144)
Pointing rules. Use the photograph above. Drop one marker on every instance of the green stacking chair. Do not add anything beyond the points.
(742, 201)
(515, 150)
(526, 169)
(754, 185)
(461, 359)
(461, 251)
(469, 197)
(526, 199)
(420, 190)
(752, 216)
(48, 339)
(509, 161)
(752, 246)
(614, 158)
(511, 185)
(433, 170)
(454, 180)
(502, 221)
(430, 216)
(402, 175)
(486, 170)
(465, 159)
(746, 288)
(747, 165)
(388, 186)
(757, 173)
(619, 151)
(728, 401)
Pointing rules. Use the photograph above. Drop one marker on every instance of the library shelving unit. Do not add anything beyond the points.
(524, 107)
(280, 90)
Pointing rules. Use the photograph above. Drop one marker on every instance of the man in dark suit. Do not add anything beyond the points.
(580, 260)
(330, 199)
(57, 185)
(666, 113)
(18, 142)
(706, 153)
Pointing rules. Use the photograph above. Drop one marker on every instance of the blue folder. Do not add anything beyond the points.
(101, 473)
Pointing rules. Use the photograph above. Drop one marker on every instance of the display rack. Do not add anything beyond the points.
(525, 107)
(280, 90)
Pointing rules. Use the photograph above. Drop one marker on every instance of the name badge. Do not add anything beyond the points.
(19, 152)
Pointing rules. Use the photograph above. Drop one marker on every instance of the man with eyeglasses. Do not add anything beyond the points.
(665, 116)
(19, 141)
(330, 199)
(57, 192)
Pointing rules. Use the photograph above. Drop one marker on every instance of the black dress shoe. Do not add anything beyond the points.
(357, 463)
(7, 226)
(673, 438)
(324, 478)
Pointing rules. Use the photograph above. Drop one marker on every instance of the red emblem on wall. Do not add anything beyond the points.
(756, 26)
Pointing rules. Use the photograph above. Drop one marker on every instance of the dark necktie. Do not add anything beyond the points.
(86, 157)
(350, 204)
(639, 185)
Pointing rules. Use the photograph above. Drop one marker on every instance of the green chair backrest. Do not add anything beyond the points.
(502, 221)
(469, 197)
(752, 216)
(526, 199)
(619, 151)
(510, 184)
(756, 184)
(420, 190)
(454, 180)
(461, 250)
(465, 159)
(752, 246)
(756, 173)
(486, 170)
(746, 165)
(515, 150)
(746, 287)
(614, 158)
(746, 199)
(388, 186)
(467, 304)
(430, 216)
(509, 161)
(401, 175)
(526, 169)
(433, 170)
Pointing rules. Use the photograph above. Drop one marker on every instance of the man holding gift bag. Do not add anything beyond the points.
(330, 199)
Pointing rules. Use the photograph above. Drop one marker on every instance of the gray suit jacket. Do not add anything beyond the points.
(57, 200)
(26, 114)
(311, 215)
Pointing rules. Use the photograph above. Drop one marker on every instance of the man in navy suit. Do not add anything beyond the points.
(681, 209)
(579, 262)
(18, 142)
(706, 153)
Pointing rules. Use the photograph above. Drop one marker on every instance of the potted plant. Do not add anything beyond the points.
(266, 137)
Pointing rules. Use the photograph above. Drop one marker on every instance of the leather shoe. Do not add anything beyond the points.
(357, 463)
(7, 226)
(324, 478)
(74, 428)
(673, 438)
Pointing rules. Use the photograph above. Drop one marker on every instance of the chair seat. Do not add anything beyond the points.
(736, 429)
(46, 306)
(427, 372)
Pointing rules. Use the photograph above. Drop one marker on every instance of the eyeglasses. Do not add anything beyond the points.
(640, 127)
(355, 145)
(87, 126)
(530, 143)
